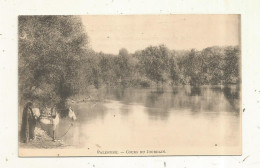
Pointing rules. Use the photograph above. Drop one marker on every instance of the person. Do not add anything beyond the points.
(28, 123)
(53, 112)
(53, 116)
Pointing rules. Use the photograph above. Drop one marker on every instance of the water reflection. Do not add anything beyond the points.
(158, 105)
(198, 99)
(125, 109)
(232, 94)
(195, 91)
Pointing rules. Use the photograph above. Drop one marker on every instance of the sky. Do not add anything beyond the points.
(110, 33)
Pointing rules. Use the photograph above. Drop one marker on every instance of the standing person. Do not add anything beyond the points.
(28, 123)
(53, 116)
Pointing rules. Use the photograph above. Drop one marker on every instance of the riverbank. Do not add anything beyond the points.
(43, 134)
(42, 140)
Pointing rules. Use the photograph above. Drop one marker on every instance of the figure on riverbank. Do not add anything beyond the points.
(28, 123)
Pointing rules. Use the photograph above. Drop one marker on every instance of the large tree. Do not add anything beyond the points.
(155, 60)
(50, 52)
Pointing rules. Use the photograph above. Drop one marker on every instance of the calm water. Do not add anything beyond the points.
(145, 118)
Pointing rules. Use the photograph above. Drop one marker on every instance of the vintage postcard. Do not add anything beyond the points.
(129, 85)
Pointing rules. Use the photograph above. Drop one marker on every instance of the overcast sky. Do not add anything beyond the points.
(111, 33)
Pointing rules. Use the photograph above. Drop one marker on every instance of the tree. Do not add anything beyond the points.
(123, 52)
(50, 52)
(107, 65)
(173, 70)
(231, 68)
(193, 68)
(155, 61)
(212, 65)
(123, 67)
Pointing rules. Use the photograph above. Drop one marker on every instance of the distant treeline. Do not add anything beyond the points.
(56, 62)
(157, 66)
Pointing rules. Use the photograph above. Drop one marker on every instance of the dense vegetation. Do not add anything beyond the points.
(158, 66)
(56, 62)
(50, 50)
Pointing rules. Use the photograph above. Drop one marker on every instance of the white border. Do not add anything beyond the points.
(249, 10)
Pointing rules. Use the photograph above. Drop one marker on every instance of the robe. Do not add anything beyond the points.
(28, 125)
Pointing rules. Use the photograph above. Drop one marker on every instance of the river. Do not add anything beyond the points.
(182, 117)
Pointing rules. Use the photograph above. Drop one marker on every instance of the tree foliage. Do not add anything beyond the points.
(155, 60)
(212, 65)
(50, 52)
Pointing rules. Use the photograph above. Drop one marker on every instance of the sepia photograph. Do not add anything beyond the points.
(129, 85)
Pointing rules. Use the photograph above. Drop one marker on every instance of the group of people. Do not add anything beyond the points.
(29, 120)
